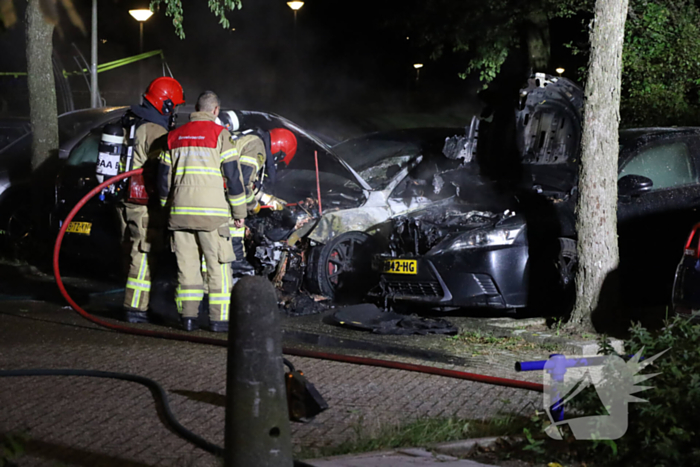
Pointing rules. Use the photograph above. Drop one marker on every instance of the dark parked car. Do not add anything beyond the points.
(521, 250)
(686, 286)
(15, 168)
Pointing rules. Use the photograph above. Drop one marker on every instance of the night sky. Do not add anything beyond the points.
(350, 58)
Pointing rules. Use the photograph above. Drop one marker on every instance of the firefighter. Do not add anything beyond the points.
(191, 186)
(153, 118)
(258, 171)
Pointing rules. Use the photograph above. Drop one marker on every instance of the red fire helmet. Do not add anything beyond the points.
(283, 145)
(165, 94)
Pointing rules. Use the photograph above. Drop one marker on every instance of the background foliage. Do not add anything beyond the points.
(173, 9)
(661, 57)
(664, 430)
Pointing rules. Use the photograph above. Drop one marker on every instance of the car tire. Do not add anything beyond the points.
(17, 228)
(342, 268)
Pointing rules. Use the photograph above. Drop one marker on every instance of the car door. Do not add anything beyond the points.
(653, 225)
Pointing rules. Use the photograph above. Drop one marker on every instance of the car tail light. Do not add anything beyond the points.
(689, 250)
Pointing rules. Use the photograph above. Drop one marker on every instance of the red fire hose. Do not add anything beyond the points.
(223, 343)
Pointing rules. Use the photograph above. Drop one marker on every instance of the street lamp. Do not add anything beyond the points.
(417, 66)
(141, 15)
(295, 5)
(559, 70)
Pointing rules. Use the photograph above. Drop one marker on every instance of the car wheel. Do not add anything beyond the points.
(342, 268)
(17, 227)
(567, 262)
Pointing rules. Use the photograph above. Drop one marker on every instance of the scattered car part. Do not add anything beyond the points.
(367, 317)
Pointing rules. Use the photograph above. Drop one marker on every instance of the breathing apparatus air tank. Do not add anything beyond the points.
(112, 148)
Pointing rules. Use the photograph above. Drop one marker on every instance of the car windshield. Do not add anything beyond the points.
(378, 157)
(330, 166)
(86, 151)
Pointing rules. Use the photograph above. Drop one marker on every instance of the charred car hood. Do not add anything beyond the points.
(423, 230)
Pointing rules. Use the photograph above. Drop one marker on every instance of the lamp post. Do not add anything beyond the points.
(141, 15)
(559, 71)
(94, 91)
(295, 6)
(417, 66)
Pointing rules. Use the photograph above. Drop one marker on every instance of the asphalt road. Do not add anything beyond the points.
(85, 421)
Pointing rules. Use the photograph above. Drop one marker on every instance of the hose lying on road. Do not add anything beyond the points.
(156, 390)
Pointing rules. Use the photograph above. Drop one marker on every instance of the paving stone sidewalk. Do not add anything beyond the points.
(79, 421)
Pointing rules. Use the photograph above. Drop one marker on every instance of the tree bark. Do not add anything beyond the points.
(43, 112)
(596, 222)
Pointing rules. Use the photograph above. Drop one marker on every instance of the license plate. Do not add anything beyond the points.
(401, 266)
(79, 227)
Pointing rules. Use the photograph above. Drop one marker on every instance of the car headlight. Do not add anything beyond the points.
(481, 238)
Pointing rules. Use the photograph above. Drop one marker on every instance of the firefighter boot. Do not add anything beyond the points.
(132, 315)
(218, 326)
(189, 324)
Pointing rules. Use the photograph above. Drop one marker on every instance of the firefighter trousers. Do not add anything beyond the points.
(237, 236)
(135, 218)
(215, 246)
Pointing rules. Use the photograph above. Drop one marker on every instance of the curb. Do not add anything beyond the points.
(464, 447)
(506, 326)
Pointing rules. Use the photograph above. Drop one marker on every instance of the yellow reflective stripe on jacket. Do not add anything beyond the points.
(163, 201)
(252, 161)
(165, 158)
(237, 200)
(237, 231)
(250, 198)
(192, 211)
(228, 154)
(197, 170)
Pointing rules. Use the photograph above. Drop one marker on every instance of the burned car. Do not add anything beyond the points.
(522, 252)
(320, 241)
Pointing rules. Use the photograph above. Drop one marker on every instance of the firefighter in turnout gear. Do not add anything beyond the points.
(255, 164)
(200, 182)
(152, 120)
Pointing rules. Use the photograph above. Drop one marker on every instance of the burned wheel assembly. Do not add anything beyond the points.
(342, 265)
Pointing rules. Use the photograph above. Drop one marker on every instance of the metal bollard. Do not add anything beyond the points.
(257, 424)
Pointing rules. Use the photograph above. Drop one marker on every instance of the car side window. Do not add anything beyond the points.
(668, 165)
(86, 151)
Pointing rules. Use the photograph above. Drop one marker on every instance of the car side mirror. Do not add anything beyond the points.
(634, 185)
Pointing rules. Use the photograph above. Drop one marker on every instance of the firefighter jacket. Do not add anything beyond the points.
(192, 172)
(252, 159)
(147, 144)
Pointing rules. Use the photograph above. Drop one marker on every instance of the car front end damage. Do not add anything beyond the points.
(455, 259)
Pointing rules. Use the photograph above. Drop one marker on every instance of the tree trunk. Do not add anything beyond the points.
(43, 113)
(43, 116)
(596, 222)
